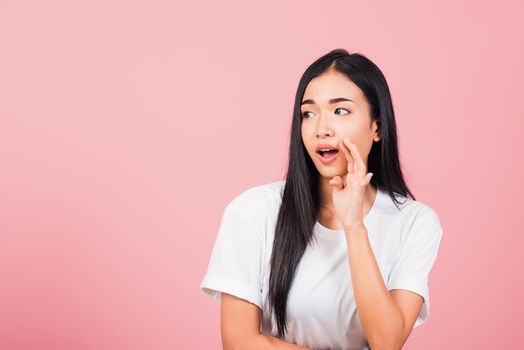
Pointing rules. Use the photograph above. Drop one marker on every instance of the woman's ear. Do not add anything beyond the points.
(376, 130)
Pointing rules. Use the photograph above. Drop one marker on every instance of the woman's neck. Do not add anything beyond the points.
(327, 209)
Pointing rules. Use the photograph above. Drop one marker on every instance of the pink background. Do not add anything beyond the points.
(126, 126)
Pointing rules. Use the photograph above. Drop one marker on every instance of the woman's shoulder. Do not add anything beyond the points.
(408, 209)
(259, 201)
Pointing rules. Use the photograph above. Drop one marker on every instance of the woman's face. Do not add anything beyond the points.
(329, 122)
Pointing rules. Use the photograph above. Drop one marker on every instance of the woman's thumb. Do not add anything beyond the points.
(336, 183)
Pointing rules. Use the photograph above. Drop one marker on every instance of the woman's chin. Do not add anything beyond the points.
(330, 172)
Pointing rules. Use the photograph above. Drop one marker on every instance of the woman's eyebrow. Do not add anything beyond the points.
(333, 100)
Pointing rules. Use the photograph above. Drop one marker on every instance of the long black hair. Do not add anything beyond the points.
(300, 198)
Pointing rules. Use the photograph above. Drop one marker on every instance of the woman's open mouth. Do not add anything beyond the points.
(328, 156)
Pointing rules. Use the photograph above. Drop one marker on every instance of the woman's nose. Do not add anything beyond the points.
(325, 132)
(323, 127)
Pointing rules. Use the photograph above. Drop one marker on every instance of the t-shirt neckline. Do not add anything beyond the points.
(323, 231)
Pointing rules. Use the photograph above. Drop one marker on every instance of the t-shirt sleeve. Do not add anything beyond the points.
(235, 263)
(417, 256)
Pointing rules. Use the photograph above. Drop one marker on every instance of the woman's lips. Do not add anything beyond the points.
(328, 157)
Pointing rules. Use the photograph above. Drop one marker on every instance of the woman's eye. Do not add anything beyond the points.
(342, 109)
(304, 114)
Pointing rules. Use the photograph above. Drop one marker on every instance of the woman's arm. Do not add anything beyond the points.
(240, 327)
(264, 341)
(381, 319)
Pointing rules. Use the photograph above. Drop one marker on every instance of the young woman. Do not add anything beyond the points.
(337, 255)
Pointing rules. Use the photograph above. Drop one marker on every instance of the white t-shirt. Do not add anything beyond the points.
(321, 311)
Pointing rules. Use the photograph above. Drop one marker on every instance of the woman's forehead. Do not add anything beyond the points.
(328, 86)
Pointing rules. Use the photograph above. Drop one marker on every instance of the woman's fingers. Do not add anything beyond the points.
(367, 179)
(360, 167)
(336, 182)
(349, 158)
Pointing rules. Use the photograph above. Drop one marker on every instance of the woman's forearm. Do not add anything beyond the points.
(381, 319)
(267, 342)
